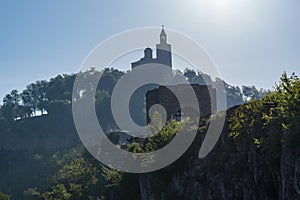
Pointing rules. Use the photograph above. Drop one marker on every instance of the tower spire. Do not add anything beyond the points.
(163, 35)
(163, 49)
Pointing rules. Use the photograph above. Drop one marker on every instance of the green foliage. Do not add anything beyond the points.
(112, 177)
(35, 96)
(78, 171)
(271, 123)
(163, 137)
(288, 111)
(76, 178)
(246, 121)
(54, 94)
(60, 88)
(4, 196)
(59, 106)
(58, 192)
(265, 124)
(54, 97)
(10, 108)
(32, 194)
(62, 159)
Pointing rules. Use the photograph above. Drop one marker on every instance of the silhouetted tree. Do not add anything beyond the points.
(35, 96)
(10, 105)
(250, 92)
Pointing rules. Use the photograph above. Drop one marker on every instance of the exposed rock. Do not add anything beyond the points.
(229, 172)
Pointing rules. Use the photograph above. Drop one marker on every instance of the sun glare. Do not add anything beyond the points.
(224, 8)
(217, 9)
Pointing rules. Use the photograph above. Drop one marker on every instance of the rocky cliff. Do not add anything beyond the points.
(233, 170)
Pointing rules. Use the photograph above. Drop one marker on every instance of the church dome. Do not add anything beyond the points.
(148, 52)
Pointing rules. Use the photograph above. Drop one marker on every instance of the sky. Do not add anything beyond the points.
(251, 41)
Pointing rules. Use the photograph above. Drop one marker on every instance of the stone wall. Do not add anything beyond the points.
(163, 96)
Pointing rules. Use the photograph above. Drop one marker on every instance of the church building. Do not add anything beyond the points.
(163, 53)
(157, 94)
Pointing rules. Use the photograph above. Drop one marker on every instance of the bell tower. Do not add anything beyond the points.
(163, 50)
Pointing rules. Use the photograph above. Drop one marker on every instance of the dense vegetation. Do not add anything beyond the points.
(45, 97)
(269, 127)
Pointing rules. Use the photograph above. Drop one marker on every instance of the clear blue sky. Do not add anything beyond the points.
(251, 41)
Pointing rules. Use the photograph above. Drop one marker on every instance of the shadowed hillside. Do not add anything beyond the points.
(41, 157)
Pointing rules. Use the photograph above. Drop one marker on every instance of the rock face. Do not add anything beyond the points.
(229, 172)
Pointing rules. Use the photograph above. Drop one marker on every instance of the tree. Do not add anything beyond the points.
(32, 194)
(250, 92)
(197, 77)
(112, 179)
(190, 75)
(58, 192)
(108, 79)
(34, 97)
(271, 128)
(11, 105)
(234, 95)
(60, 87)
(74, 180)
(12, 99)
(4, 196)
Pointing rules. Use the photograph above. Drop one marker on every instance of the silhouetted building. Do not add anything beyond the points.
(206, 96)
(163, 53)
(164, 57)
